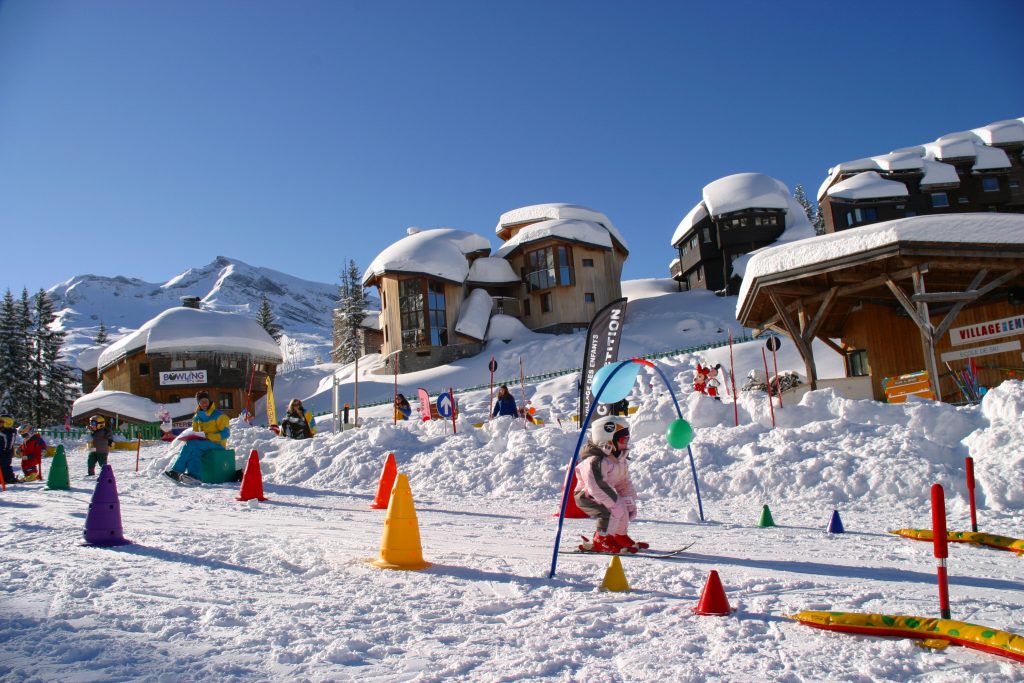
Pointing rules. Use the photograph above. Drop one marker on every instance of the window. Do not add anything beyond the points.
(526, 307)
(177, 365)
(549, 267)
(862, 215)
(545, 302)
(143, 368)
(588, 263)
(857, 363)
(228, 364)
(191, 364)
(962, 200)
(588, 297)
(940, 200)
(422, 313)
(990, 184)
(224, 401)
(1013, 184)
(700, 274)
(707, 234)
(693, 243)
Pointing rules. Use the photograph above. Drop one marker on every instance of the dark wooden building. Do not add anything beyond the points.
(968, 172)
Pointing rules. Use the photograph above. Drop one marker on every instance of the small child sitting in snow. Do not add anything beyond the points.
(603, 489)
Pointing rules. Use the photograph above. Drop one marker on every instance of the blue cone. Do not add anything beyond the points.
(835, 525)
(103, 522)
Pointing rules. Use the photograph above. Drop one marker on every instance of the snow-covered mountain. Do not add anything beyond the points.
(302, 307)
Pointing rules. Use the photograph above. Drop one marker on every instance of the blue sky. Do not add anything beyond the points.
(142, 138)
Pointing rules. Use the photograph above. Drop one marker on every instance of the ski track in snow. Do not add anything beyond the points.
(215, 589)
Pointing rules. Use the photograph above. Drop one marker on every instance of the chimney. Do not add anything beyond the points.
(190, 301)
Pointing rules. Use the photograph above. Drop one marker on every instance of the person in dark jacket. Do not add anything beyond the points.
(101, 440)
(505, 404)
(297, 422)
(8, 434)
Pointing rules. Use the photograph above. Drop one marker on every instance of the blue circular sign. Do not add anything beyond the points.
(444, 404)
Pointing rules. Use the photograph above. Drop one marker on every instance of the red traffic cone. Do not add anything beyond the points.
(386, 483)
(713, 602)
(572, 510)
(252, 479)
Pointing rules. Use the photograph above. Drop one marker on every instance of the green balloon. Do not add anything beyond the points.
(679, 433)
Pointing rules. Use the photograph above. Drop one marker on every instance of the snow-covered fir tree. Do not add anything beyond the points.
(54, 385)
(814, 215)
(352, 300)
(15, 386)
(265, 317)
(101, 335)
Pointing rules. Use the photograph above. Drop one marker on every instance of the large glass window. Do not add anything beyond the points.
(940, 199)
(857, 363)
(422, 311)
(990, 184)
(549, 267)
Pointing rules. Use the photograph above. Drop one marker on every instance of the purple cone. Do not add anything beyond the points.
(103, 523)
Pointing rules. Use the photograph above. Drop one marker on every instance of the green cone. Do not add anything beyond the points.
(766, 518)
(58, 478)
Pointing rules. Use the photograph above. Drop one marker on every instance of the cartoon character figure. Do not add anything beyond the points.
(700, 379)
(712, 382)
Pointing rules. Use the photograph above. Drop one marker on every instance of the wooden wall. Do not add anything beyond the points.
(893, 344)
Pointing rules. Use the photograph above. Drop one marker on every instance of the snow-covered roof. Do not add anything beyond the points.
(692, 218)
(742, 191)
(586, 232)
(440, 253)
(132, 406)
(474, 314)
(491, 270)
(1001, 132)
(972, 228)
(798, 227)
(537, 212)
(990, 159)
(867, 185)
(191, 329)
(899, 161)
(88, 358)
(938, 173)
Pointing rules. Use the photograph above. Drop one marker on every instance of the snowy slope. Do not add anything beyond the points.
(216, 589)
(302, 307)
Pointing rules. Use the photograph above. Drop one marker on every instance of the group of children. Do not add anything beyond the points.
(23, 441)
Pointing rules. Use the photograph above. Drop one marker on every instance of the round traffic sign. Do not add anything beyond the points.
(444, 405)
(493, 365)
(773, 343)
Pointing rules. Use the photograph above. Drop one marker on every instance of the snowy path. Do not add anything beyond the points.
(217, 589)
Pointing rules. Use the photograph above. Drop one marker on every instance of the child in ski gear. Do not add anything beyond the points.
(402, 408)
(505, 404)
(603, 489)
(101, 440)
(297, 422)
(211, 427)
(7, 438)
(32, 449)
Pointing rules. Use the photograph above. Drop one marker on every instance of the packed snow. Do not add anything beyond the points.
(212, 588)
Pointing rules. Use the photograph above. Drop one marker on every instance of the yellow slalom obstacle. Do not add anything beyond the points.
(1014, 545)
(615, 577)
(400, 543)
(927, 629)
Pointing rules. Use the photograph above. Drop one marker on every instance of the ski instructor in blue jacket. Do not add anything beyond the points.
(505, 404)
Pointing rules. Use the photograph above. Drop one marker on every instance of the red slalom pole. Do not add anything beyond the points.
(771, 406)
(451, 392)
(970, 492)
(941, 545)
(732, 378)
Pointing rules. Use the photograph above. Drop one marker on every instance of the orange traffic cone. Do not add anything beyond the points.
(400, 543)
(712, 600)
(572, 510)
(386, 483)
(252, 479)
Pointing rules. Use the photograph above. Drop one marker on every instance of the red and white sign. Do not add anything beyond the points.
(969, 334)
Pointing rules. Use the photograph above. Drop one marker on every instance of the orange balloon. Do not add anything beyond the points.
(533, 411)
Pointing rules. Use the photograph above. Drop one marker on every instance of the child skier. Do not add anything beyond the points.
(101, 440)
(603, 489)
(32, 449)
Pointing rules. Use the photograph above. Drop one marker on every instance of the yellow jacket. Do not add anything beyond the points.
(213, 423)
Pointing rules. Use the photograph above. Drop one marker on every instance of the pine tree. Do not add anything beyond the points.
(101, 335)
(353, 311)
(15, 355)
(265, 317)
(55, 387)
(814, 215)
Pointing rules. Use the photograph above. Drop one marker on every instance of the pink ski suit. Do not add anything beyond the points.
(603, 489)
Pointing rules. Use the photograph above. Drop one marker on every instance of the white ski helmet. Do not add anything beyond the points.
(608, 430)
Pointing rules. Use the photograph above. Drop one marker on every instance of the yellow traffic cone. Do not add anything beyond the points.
(614, 577)
(400, 543)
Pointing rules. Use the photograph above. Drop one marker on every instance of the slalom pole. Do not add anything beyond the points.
(394, 411)
(138, 449)
(490, 405)
(941, 546)
(970, 491)
(732, 378)
(522, 390)
(451, 392)
(771, 405)
(572, 466)
(778, 386)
